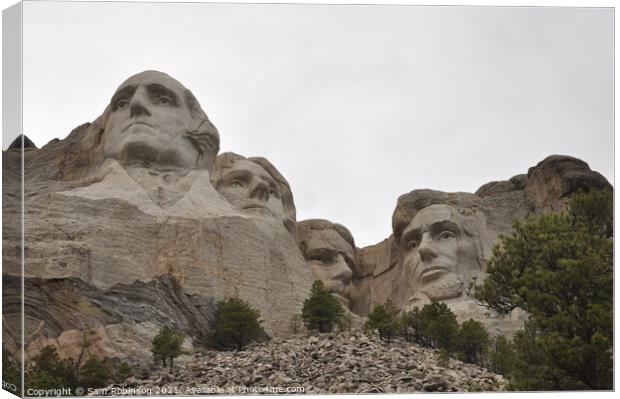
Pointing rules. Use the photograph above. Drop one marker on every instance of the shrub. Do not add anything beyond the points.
(236, 325)
(94, 373)
(443, 357)
(167, 345)
(123, 372)
(321, 311)
(49, 371)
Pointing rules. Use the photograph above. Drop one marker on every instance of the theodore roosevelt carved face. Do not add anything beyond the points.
(329, 251)
(440, 251)
(154, 120)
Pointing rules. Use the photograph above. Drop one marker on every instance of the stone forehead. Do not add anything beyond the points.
(245, 164)
(148, 77)
(434, 213)
(408, 205)
(326, 238)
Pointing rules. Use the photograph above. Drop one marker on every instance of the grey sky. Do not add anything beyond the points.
(355, 105)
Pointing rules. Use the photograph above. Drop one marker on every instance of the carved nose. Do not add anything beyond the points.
(342, 270)
(137, 110)
(137, 106)
(260, 191)
(427, 252)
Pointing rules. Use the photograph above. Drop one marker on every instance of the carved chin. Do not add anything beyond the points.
(447, 287)
(150, 154)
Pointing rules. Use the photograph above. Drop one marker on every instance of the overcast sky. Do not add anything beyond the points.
(355, 105)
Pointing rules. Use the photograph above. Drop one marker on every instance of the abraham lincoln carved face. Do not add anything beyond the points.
(154, 120)
(441, 252)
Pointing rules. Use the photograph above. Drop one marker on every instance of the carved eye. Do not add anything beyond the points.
(411, 244)
(122, 103)
(235, 183)
(164, 100)
(445, 235)
(323, 257)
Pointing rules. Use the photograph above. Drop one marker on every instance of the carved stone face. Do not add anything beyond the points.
(249, 188)
(148, 121)
(439, 253)
(330, 257)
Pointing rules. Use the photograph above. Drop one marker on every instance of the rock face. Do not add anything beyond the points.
(123, 227)
(343, 363)
(441, 241)
(133, 221)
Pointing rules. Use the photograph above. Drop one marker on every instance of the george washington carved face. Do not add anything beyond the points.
(441, 253)
(153, 120)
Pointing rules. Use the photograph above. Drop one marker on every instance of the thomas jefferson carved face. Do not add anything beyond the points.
(331, 258)
(154, 120)
(440, 253)
(250, 188)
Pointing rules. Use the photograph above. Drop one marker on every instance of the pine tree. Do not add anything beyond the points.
(411, 326)
(501, 356)
(321, 311)
(167, 345)
(439, 326)
(383, 318)
(236, 325)
(472, 341)
(559, 268)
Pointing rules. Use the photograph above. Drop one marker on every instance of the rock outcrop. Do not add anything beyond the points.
(134, 221)
(443, 268)
(122, 228)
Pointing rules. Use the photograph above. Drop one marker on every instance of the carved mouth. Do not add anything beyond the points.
(134, 124)
(433, 272)
(255, 206)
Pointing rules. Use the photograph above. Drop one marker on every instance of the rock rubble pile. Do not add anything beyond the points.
(330, 363)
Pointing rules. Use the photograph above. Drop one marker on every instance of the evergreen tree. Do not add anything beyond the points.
(435, 325)
(501, 356)
(167, 345)
(559, 268)
(473, 340)
(123, 372)
(49, 371)
(411, 326)
(94, 373)
(439, 326)
(383, 318)
(236, 325)
(322, 311)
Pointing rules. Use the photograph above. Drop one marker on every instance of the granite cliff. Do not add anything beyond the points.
(134, 221)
